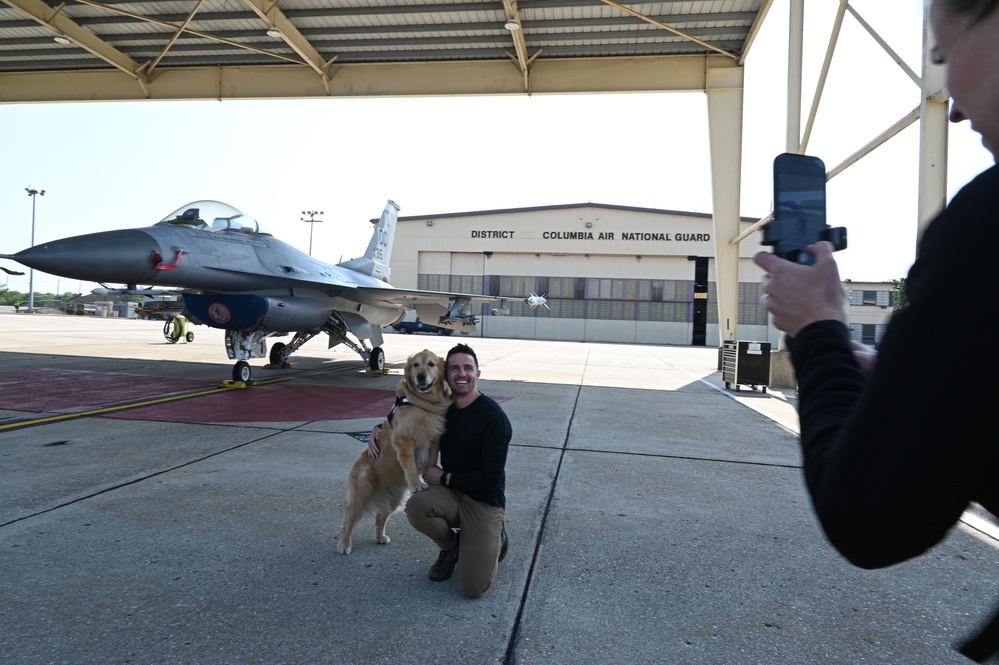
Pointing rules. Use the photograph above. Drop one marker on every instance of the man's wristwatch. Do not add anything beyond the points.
(444, 478)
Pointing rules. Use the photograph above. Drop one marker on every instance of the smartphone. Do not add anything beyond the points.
(800, 209)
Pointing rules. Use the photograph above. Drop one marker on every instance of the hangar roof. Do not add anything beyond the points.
(195, 49)
(563, 206)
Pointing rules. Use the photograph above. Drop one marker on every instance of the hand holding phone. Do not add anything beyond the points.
(800, 209)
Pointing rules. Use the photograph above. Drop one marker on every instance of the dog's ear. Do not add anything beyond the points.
(442, 376)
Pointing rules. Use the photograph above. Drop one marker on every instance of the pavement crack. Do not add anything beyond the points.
(136, 481)
(515, 634)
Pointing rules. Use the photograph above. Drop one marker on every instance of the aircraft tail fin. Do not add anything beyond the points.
(375, 261)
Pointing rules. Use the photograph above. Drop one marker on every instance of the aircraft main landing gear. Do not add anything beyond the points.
(278, 357)
(376, 360)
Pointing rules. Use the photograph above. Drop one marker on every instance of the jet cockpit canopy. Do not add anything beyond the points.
(214, 216)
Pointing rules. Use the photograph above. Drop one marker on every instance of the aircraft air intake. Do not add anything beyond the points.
(253, 312)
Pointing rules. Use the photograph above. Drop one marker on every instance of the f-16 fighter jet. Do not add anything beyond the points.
(235, 276)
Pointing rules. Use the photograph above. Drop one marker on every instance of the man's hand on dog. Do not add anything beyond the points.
(432, 474)
(373, 451)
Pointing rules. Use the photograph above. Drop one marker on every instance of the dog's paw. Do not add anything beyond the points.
(383, 540)
(343, 548)
(421, 486)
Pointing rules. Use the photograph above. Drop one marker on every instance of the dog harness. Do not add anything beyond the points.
(399, 401)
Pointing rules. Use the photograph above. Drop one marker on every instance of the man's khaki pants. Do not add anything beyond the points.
(438, 509)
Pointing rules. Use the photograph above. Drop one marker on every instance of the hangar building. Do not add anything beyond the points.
(871, 307)
(610, 273)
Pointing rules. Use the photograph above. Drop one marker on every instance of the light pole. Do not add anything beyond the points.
(33, 193)
(311, 221)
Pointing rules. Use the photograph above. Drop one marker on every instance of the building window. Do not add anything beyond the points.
(665, 290)
(751, 311)
(677, 312)
(656, 290)
(517, 286)
(861, 298)
(559, 287)
(712, 303)
(868, 333)
(599, 309)
(543, 287)
(622, 311)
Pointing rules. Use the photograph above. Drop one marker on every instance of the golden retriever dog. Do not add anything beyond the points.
(409, 440)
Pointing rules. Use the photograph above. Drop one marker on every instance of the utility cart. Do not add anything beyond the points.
(746, 363)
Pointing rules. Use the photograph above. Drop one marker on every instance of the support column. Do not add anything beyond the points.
(933, 132)
(795, 51)
(725, 100)
(781, 369)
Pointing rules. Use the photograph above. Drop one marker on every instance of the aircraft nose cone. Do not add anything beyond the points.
(112, 256)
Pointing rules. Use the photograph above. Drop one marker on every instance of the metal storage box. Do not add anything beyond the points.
(746, 363)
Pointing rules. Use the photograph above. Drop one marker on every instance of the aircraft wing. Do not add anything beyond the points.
(336, 285)
(448, 310)
(396, 297)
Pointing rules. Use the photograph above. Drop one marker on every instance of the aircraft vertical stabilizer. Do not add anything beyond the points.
(375, 261)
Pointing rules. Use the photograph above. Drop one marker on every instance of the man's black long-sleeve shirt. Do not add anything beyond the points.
(474, 449)
(892, 462)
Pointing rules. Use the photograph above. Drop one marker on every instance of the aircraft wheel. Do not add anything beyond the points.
(276, 357)
(441, 332)
(241, 371)
(376, 361)
(189, 337)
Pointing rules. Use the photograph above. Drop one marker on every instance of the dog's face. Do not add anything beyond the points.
(425, 372)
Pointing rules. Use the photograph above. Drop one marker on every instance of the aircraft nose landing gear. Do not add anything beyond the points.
(240, 346)
(241, 372)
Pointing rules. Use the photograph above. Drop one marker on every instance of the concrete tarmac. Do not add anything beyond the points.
(654, 516)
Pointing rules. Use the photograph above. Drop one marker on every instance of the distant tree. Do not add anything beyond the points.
(11, 297)
(900, 299)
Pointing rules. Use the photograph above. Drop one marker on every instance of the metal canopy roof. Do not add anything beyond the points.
(196, 49)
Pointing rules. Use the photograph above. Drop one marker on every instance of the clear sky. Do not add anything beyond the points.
(121, 165)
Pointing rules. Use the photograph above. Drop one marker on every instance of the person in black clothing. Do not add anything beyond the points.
(898, 443)
(467, 492)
